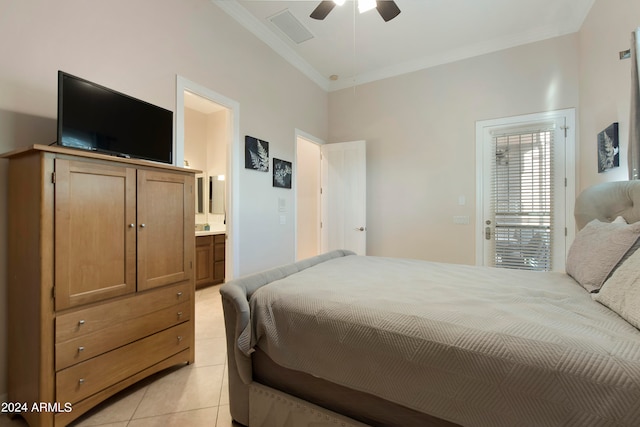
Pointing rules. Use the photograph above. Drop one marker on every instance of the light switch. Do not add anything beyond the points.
(283, 219)
(462, 200)
(461, 219)
(282, 204)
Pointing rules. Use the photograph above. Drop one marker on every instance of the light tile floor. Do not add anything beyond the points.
(194, 395)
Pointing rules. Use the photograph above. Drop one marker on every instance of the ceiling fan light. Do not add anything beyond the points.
(339, 2)
(365, 5)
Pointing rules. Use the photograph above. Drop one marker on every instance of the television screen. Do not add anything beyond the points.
(93, 117)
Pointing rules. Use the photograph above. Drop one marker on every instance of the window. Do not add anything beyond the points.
(522, 198)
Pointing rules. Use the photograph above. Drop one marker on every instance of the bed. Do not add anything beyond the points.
(347, 340)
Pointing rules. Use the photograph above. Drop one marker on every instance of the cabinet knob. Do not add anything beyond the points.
(179, 314)
(80, 349)
(81, 322)
(132, 225)
(81, 381)
(179, 294)
(143, 225)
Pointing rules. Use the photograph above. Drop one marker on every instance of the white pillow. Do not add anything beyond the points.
(597, 250)
(619, 220)
(621, 292)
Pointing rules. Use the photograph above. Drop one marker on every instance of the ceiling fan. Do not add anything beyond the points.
(386, 8)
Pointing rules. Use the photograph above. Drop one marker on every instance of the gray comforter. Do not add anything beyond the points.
(476, 346)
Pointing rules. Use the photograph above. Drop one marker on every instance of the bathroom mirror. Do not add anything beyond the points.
(200, 193)
(216, 194)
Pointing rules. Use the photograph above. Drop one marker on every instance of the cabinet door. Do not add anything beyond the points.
(95, 234)
(166, 231)
(219, 258)
(204, 260)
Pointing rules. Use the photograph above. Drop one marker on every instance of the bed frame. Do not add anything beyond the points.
(255, 400)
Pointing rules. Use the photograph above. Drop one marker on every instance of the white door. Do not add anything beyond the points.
(525, 167)
(344, 187)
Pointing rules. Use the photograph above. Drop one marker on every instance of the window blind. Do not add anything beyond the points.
(522, 199)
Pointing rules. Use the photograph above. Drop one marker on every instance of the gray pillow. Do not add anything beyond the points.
(597, 250)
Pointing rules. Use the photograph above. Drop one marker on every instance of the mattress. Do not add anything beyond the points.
(474, 346)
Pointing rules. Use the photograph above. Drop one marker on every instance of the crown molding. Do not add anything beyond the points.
(464, 52)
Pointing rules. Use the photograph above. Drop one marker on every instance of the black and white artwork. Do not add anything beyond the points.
(608, 149)
(282, 172)
(256, 154)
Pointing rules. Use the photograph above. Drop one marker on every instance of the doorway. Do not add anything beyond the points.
(307, 198)
(330, 196)
(207, 139)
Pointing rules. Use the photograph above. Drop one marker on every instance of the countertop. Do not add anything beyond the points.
(215, 229)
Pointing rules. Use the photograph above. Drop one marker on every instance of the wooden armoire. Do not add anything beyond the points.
(100, 277)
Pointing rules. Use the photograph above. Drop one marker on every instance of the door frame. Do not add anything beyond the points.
(482, 129)
(232, 189)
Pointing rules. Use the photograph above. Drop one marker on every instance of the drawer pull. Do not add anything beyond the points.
(81, 322)
(81, 381)
(179, 338)
(179, 294)
(179, 314)
(80, 349)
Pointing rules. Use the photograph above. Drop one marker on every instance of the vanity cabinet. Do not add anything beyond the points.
(210, 259)
(101, 276)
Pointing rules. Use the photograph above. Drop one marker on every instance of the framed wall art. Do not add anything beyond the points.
(256, 154)
(608, 148)
(282, 172)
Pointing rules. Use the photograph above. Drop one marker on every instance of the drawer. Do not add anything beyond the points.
(85, 321)
(116, 335)
(204, 240)
(86, 378)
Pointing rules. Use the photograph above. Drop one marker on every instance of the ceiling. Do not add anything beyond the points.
(360, 48)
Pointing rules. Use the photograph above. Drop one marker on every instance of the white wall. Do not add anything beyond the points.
(218, 137)
(605, 83)
(218, 133)
(420, 132)
(196, 139)
(138, 47)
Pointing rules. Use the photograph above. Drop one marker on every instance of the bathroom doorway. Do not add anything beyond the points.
(206, 134)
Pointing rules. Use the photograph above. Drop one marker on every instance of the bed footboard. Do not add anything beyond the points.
(235, 304)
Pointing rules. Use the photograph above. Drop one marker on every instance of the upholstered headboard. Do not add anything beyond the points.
(608, 200)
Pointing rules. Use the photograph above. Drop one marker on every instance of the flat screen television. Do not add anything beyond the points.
(96, 118)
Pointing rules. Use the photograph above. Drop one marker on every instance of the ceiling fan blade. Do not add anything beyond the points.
(323, 9)
(388, 9)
